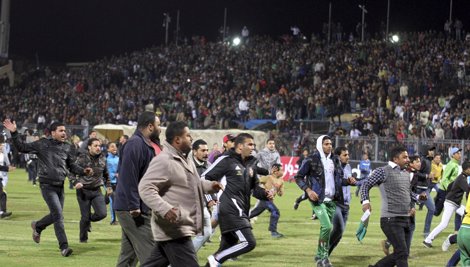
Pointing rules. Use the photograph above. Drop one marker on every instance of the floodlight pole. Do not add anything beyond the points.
(329, 23)
(388, 19)
(4, 28)
(177, 26)
(225, 25)
(166, 24)
(450, 11)
(363, 20)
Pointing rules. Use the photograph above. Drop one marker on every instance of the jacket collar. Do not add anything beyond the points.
(172, 151)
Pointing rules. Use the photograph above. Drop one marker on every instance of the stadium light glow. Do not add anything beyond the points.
(236, 41)
(395, 38)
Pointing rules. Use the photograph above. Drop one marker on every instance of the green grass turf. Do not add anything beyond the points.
(297, 248)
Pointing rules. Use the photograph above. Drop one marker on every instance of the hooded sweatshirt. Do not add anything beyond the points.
(329, 169)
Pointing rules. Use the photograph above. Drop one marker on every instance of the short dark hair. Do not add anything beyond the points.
(91, 140)
(109, 144)
(277, 165)
(396, 151)
(92, 131)
(125, 136)
(55, 125)
(240, 139)
(340, 150)
(145, 119)
(414, 158)
(30, 131)
(326, 137)
(197, 143)
(466, 165)
(437, 154)
(175, 129)
(270, 139)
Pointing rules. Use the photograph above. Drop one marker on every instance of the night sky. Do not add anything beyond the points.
(69, 30)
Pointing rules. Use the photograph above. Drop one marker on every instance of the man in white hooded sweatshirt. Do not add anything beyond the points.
(321, 181)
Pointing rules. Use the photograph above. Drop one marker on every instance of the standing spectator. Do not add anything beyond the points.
(268, 155)
(243, 107)
(245, 35)
(56, 158)
(89, 187)
(133, 215)
(32, 160)
(172, 189)
(112, 162)
(4, 168)
(397, 205)
(238, 172)
(458, 29)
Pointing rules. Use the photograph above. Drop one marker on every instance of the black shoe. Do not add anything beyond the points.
(36, 235)
(5, 214)
(84, 241)
(426, 244)
(66, 252)
(296, 205)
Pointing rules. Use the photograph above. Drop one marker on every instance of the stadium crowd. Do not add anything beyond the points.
(415, 87)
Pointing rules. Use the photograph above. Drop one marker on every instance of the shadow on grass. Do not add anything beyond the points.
(108, 240)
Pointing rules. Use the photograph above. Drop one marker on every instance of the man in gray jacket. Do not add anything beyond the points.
(171, 187)
(269, 155)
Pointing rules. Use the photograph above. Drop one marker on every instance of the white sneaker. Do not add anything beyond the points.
(446, 244)
(212, 262)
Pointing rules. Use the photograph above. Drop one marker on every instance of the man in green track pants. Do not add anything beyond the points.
(321, 181)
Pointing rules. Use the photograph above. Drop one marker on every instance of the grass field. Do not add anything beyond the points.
(297, 248)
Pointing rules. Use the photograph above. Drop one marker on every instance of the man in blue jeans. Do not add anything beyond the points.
(424, 177)
(56, 158)
(342, 207)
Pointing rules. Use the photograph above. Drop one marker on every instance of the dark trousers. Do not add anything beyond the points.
(136, 241)
(339, 224)
(178, 252)
(398, 231)
(439, 201)
(235, 243)
(3, 198)
(33, 170)
(87, 199)
(54, 197)
(275, 214)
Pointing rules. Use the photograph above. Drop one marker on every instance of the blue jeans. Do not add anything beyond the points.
(339, 224)
(54, 197)
(267, 205)
(429, 203)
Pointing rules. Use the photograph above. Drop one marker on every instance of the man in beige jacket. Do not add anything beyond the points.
(171, 187)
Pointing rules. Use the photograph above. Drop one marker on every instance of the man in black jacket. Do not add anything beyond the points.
(133, 215)
(237, 172)
(56, 158)
(89, 187)
(423, 177)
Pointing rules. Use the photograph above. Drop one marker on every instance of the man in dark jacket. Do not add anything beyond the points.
(319, 178)
(132, 213)
(56, 158)
(89, 187)
(237, 172)
(423, 181)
